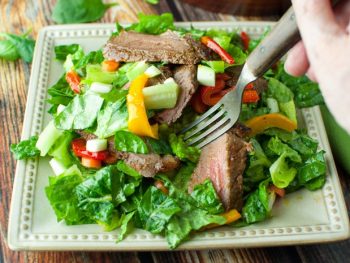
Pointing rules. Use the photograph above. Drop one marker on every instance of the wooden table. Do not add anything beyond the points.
(16, 17)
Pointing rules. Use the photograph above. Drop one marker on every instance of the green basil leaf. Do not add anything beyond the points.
(128, 142)
(79, 11)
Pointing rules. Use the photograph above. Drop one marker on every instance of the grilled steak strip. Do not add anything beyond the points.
(148, 165)
(223, 162)
(167, 47)
(185, 77)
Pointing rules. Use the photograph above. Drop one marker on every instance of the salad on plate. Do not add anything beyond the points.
(116, 154)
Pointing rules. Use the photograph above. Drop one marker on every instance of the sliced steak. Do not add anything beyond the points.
(148, 165)
(223, 162)
(166, 73)
(167, 47)
(185, 77)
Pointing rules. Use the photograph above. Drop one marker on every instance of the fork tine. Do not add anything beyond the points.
(216, 134)
(209, 131)
(204, 124)
(204, 116)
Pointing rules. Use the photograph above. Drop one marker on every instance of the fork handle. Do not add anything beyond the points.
(282, 37)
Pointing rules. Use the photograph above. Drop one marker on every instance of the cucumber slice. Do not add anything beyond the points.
(161, 96)
(273, 105)
(57, 167)
(206, 76)
(96, 145)
(136, 70)
(152, 71)
(47, 138)
(100, 88)
(94, 73)
(217, 65)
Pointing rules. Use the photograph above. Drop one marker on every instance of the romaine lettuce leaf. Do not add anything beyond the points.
(125, 227)
(96, 196)
(313, 173)
(183, 176)
(159, 146)
(182, 150)
(25, 149)
(60, 93)
(80, 113)
(63, 51)
(61, 149)
(63, 199)
(112, 118)
(281, 173)
(206, 197)
(256, 207)
(277, 147)
(156, 209)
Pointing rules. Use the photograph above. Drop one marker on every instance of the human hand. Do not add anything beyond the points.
(324, 53)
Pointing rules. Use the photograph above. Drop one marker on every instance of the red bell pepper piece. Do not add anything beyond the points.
(245, 40)
(250, 96)
(211, 95)
(79, 149)
(279, 191)
(197, 103)
(73, 80)
(210, 43)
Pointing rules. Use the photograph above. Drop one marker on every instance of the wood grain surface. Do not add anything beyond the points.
(16, 16)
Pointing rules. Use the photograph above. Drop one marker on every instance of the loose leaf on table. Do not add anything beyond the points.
(13, 46)
(25, 149)
(80, 113)
(79, 11)
(112, 118)
(128, 142)
(182, 150)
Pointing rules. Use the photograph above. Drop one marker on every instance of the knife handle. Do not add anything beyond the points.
(283, 36)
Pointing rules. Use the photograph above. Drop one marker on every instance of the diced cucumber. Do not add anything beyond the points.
(161, 96)
(96, 145)
(217, 65)
(100, 88)
(273, 105)
(94, 73)
(152, 71)
(206, 76)
(136, 70)
(60, 108)
(47, 138)
(288, 108)
(57, 167)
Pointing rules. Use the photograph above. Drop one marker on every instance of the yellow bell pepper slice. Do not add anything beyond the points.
(230, 216)
(260, 123)
(138, 121)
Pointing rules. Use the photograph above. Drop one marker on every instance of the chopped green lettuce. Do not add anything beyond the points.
(183, 151)
(80, 113)
(63, 199)
(63, 51)
(153, 24)
(112, 118)
(183, 176)
(60, 93)
(25, 149)
(156, 209)
(276, 146)
(281, 173)
(206, 197)
(61, 149)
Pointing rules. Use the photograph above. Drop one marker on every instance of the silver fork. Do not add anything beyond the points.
(222, 116)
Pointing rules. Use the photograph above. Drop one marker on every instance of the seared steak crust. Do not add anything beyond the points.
(223, 162)
(168, 47)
